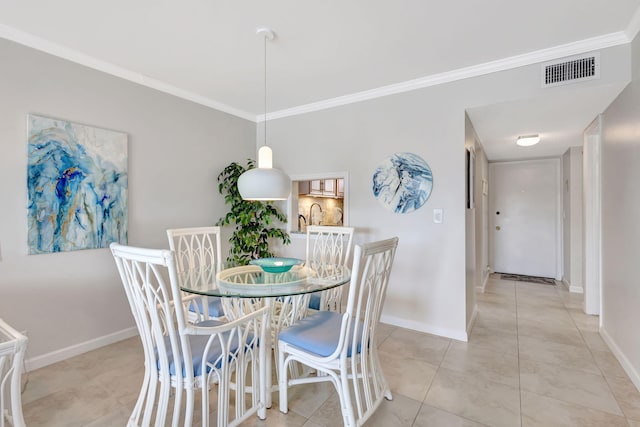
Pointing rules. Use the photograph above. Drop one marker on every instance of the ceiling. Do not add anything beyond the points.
(559, 118)
(207, 50)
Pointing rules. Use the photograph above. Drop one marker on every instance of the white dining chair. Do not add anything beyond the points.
(328, 246)
(13, 346)
(342, 347)
(197, 249)
(182, 357)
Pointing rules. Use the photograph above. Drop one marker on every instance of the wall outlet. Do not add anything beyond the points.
(437, 216)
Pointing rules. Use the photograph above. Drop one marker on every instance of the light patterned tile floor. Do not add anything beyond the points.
(533, 359)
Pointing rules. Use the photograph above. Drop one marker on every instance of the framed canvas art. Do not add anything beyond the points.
(77, 186)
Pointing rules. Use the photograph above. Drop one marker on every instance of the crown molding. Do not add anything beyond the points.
(543, 55)
(55, 49)
(634, 26)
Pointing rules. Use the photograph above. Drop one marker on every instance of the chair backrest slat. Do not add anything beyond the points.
(145, 274)
(198, 257)
(195, 247)
(369, 279)
(328, 245)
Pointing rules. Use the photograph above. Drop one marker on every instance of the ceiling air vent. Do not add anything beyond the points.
(571, 70)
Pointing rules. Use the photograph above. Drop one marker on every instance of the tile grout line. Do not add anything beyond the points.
(429, 388)
(515, 294)
(604, 376)
(581, 333)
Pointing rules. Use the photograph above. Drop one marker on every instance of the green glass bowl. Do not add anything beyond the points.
(276, 265)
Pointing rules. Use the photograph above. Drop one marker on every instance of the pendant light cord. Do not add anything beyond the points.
(265, 90)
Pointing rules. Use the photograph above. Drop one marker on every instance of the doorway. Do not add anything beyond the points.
(524, 217)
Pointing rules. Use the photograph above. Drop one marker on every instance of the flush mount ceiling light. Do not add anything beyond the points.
(528, 140)
(264, 182)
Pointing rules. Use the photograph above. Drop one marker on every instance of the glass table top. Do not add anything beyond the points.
(252, 282)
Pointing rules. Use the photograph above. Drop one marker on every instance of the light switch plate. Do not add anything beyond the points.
(437, 216)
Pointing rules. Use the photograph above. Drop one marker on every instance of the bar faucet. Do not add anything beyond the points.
(311, 212)
(301, 217)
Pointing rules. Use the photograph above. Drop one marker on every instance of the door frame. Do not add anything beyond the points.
(559, 249)
(592, 218)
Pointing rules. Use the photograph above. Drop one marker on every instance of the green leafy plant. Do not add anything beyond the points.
(253, 220)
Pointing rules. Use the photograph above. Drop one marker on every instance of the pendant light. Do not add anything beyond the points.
(264, 182)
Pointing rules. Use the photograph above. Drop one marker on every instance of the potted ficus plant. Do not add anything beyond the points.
(253, 220)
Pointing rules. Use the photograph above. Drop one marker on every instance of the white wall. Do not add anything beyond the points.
(357, 138)
(470, 143)
(635, 58)
(620, 227)
(482, 217)
(575, 190)
(572, 218)
(176, 150)
(427, 290)
(566, 217)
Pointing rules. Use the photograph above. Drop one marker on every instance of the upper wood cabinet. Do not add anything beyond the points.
(340, 187)
(329, 187)
(315, 186)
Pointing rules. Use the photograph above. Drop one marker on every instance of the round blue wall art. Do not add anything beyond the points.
(403, 182)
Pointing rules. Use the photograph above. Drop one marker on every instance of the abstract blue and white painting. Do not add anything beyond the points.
(77, 186)
(403, 182)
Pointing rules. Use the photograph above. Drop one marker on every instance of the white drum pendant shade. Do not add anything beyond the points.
(264, 184)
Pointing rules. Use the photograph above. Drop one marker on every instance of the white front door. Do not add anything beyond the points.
(523, 217)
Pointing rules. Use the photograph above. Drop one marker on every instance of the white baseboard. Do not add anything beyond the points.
(422, 327)
(626, 364)
(576, 289)
(472, 321)
(571, 288)
(484, 283)
(76, 349)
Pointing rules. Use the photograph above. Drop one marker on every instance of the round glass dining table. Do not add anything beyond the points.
(250, 281)
(248, 287)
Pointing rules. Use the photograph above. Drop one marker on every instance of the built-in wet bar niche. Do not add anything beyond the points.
(318, 202)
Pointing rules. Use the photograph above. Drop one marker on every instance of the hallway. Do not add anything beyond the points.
(534, 359)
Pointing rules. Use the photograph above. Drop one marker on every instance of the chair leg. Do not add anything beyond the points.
(163, 403)
(137, 410)
(177, 403)
(150, 400)
(282, 379)
(223, 397)
(204, 390)
(345, 399)
(262, 380)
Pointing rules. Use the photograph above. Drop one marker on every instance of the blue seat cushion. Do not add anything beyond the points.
(318, 333)
(314, 301)
(215, 306)
(198, 343)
